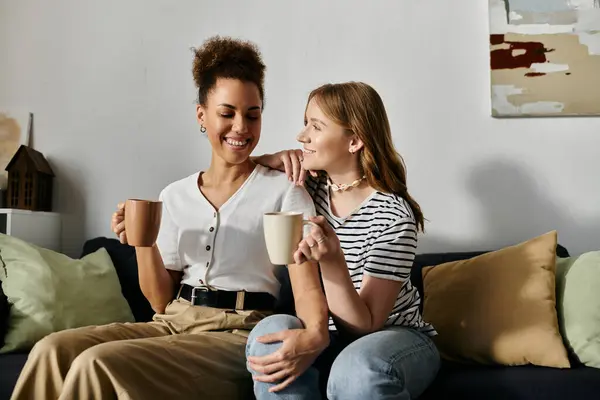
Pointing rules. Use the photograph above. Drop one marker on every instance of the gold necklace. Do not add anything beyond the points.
(344, 186)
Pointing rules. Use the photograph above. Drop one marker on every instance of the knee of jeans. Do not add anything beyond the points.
(270, 324)
(348, 374)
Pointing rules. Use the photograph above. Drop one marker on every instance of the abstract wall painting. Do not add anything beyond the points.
(545, 57)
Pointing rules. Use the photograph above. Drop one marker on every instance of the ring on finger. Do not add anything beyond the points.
(311, 245)
(321, 239)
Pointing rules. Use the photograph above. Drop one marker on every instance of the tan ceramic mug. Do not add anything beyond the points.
(142, 222)
(283, 232)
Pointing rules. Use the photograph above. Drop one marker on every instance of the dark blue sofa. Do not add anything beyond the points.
(453, 381)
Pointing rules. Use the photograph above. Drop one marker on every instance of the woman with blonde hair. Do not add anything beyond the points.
(380, 346)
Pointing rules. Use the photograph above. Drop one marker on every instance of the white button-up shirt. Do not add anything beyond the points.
(226, 248)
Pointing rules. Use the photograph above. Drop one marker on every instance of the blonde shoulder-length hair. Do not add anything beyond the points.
(358, 108)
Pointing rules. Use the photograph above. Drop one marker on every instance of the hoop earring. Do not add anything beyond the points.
(202, 129)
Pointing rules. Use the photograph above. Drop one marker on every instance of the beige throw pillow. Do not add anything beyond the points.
(499, 307)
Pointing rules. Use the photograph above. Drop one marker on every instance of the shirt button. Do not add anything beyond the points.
(211, 229)
(207, 248)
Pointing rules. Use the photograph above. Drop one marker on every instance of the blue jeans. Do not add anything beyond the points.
(394, 363)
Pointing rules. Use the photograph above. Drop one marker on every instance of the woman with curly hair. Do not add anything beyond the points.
(208, 277)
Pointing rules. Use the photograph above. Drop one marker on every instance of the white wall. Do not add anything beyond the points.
(111, 88)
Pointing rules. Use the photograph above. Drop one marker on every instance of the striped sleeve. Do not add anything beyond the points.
(392, 253)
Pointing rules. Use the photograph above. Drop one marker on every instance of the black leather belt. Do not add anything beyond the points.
(231, 300)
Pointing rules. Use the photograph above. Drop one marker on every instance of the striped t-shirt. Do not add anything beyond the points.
(379, 239)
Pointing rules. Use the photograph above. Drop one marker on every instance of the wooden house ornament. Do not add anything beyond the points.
(29, 181)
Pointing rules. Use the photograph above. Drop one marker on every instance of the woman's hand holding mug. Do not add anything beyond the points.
(321, 244)
(286, 243)
(117, 223)
(137, 222)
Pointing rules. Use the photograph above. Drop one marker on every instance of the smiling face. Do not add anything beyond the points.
(232, 117)
(327, 146)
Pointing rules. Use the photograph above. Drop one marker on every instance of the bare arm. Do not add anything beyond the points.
(311, 305)
(358, 312)
(365, 311)
(157, 283)
(300, 346)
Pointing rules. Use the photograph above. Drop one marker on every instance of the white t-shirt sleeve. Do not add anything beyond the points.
(168, 238)
(298, 199)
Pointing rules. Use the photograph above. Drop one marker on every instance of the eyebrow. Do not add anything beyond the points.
(233, 107)
(319, 121)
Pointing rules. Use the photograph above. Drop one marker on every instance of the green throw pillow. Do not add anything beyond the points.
(578, 305)
(49, 292)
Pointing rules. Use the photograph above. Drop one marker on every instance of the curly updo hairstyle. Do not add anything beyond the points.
(225, 57)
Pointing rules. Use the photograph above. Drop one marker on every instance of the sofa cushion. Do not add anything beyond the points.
(432, 259)
(527, 382)
(578, 305)
(49, 292)
(125, 262)
(10, 367)
(498, 307)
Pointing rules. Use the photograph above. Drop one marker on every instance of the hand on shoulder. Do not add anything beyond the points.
(288, 161)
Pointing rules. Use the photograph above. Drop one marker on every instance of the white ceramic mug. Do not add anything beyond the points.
(283, 232)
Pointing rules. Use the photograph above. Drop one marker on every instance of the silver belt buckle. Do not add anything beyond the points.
(199, 288)
(239, 300)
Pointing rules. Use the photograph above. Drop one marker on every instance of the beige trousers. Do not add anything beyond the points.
(190, 352)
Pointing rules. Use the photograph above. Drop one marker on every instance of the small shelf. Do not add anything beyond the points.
(26, 212)
(42, 228)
